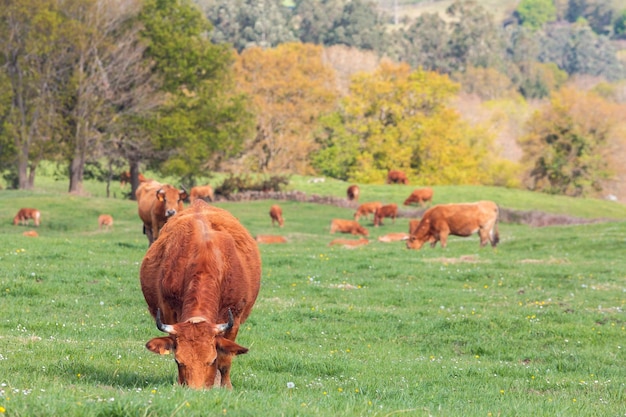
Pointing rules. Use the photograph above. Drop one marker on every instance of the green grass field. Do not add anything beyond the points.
(535, 327)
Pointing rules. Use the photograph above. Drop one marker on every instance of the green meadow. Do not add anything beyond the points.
(534, 327)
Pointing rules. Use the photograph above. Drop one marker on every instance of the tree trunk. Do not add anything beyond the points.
(134, 178)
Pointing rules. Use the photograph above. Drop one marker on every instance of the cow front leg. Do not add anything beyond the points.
(224, 363)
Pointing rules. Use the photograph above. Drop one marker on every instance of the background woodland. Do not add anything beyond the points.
(524, 93)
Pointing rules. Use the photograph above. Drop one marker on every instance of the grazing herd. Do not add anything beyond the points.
(201, 274)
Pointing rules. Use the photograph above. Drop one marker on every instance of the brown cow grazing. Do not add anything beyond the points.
(390, 210)
(276, 213)
(270, 239)
(397, 177)
(349, 243)
(201, 277)
(105, 220)
(393, 237)
(413, 223)
(125, 178)
(420, 196)
(203, 192)
(31, 233)
(365, 209)
(24, 214)
(347, 226)
(457, 219)
(156, 204)
(353, 192)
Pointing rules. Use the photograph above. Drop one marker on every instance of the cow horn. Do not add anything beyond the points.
(226, 326)
(165, 328)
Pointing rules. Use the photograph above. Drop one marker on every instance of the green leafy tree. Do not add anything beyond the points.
(565, 150)
(356, 23)
(535, 13)
(202, 121)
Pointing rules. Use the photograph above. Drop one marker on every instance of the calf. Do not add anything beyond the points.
(203, 192)
(24, 214)
(397, 177)
(420, 196)
(390, 210)
(105, 220)
(353, 192)
(270, 239)
(393, 237)
(366, 208)
(347, 226)
(276, 213)
(349, 243)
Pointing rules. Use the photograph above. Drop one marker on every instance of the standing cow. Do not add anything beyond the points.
(276, 213)
(105, 220)
(397, 177)
(157, 203)
(420, 196)
(365, 209)
(457, 219)
(24, 214)
(389, 210)
(200, 280)
(353, 192)
(203, 192)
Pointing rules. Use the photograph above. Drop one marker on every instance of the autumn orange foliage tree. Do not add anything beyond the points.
(396, 118)
(566, 148)
(290, 88)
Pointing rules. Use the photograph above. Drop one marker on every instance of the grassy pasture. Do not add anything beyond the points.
(534, 327)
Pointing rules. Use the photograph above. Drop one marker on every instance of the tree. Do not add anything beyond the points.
(246, 23)
(290, 88)
(535, 13)
(31, 44)
(356, 23)
(202, 120)
(399, 119)
(565, 150)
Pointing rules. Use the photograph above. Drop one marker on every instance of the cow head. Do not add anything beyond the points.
(196, 344)
(172, 200)
(420, 235)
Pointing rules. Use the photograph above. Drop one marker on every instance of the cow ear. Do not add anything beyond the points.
(160, 195)
(229, 347)
(183, 195)
(161, 345)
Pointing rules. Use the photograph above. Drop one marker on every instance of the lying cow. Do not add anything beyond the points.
(420, 196)
(365, 209)
(105, 220)
(457, 219)
(347, 226)
(156, 204)
(202, 192)
(393, 237)
(349, 243)
(389, 210)
(270, 239)
(276, 214)
(200, 279)
(353, 192)
(25, 214)
(397, 177)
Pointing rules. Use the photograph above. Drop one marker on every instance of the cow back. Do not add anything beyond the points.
(204, 263)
